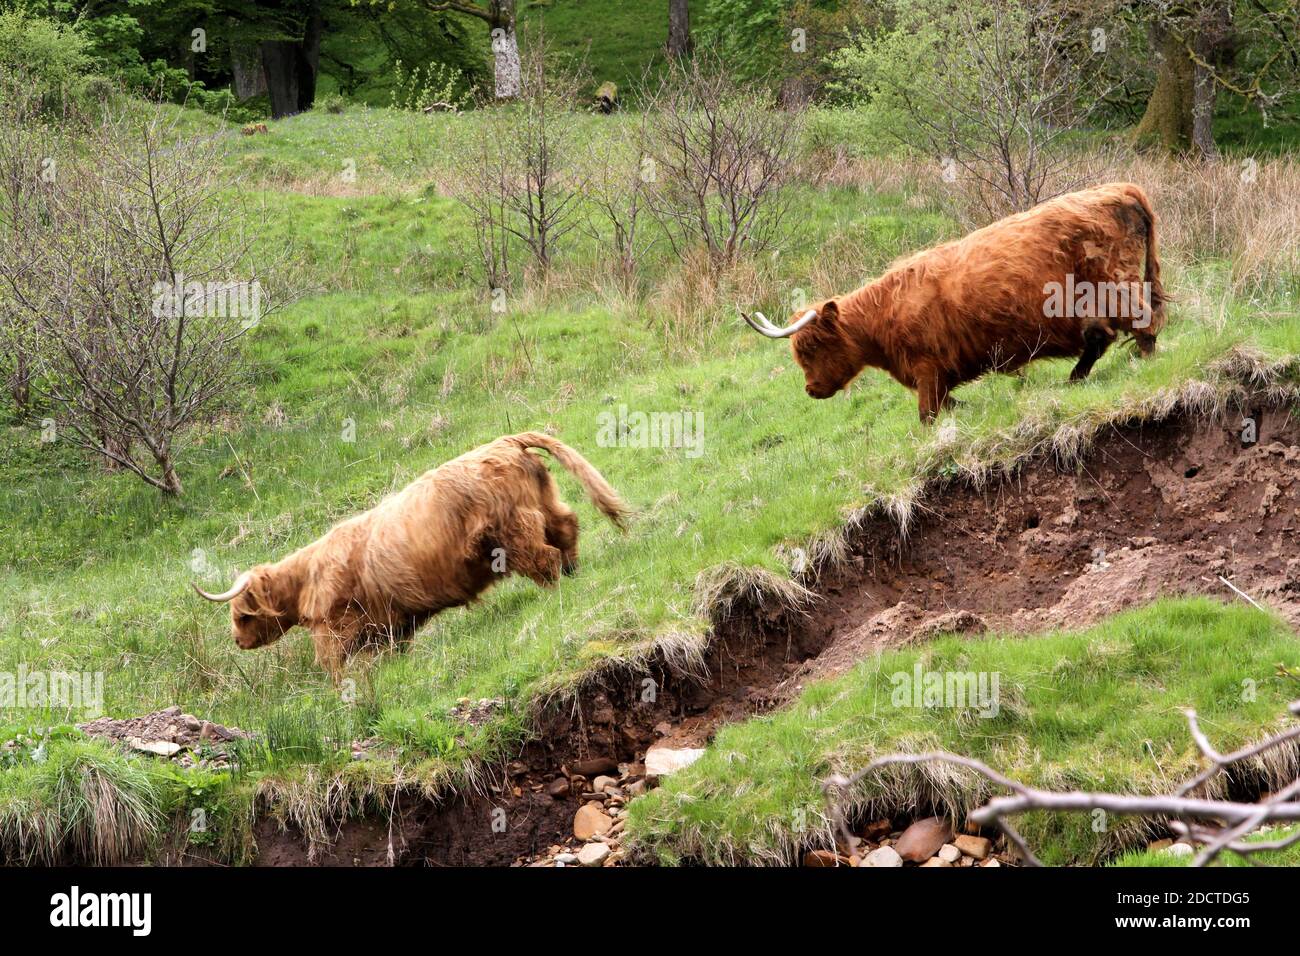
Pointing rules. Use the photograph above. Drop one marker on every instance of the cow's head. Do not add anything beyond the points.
(263, 605)
(825, 354)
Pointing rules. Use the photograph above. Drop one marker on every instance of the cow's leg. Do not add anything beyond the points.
(562, 534)
(1146, 340)
(1096, 340)
(561, 525)
(333, 645)
(949, 402)
(527, 550)
(931, 393)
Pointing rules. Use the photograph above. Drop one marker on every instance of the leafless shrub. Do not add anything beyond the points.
(131, 285)
(1214, 823)
(28, 167)
(520, 173)
(720, 152)
(480, 182)
(618, 190)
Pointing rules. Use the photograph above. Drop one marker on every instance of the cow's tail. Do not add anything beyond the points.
(602, 495)
(1158, 296)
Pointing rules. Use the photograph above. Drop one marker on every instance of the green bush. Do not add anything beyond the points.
(330, 103)
(52, 54)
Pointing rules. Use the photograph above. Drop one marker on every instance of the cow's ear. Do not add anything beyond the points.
(829, 312)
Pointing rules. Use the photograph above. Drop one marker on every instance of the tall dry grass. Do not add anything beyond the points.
(1245, 212)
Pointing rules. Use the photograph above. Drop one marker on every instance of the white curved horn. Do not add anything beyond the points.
(765, 327)
(239, 587)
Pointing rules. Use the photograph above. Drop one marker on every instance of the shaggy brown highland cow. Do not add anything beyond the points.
(1059, 281)
(438, 543)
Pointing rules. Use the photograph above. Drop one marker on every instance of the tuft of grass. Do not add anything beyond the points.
(80, 802)
(1095, 710)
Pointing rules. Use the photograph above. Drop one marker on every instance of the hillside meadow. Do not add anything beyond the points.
(391, 358)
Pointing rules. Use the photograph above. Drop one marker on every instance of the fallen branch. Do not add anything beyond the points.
(1217, 825)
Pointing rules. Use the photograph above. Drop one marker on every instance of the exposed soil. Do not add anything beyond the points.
(1156, 509)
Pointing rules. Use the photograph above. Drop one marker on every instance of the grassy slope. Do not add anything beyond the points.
(1096, 710)
(619, 41)
(394, 336)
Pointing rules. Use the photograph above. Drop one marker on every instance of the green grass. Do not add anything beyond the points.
(394, 336)
(1096, 710)
(1290, 856)
(617, 42)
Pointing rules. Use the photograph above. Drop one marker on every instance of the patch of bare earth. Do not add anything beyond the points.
(170, 733)
(1155, 510)
(1172, 508)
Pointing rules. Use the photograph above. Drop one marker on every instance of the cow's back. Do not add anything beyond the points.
(981, 302)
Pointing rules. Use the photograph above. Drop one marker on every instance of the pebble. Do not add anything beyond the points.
(662, 761)
(923, 839)
(591, 821)
(593, 854)
(976, 847)
(883, 856)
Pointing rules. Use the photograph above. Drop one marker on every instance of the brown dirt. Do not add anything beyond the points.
(1156, 509)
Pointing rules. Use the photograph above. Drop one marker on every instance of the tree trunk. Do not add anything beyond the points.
(171, 482)
(112, 446)
(309, 59)
(19, 386)
(247, 77)
(291, 67)
(280, 64)
(1180, 114)
(505, 53)
(1213, 40)
(1203, 89)
(679, 28)
(1168, 117)
(505, 48)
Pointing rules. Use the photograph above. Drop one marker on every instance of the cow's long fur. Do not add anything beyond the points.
(948, 315)
(438, 543)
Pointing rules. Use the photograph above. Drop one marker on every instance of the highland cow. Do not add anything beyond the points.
(438, 543)
(1059, 281)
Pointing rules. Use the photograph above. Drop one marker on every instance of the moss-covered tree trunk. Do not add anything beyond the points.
(1167, 121)
(1180, 114)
